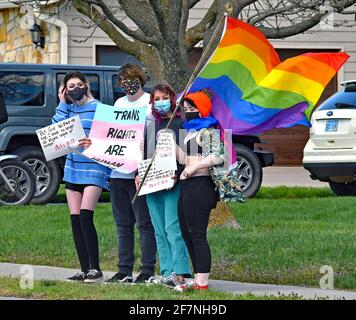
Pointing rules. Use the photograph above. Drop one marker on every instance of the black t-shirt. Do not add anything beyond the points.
(3, 112)
(151, 135)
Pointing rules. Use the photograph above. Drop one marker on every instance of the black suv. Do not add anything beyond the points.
(30, 92)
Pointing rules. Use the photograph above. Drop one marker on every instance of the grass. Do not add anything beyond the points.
(54, 290)
(287, 234)
(264, 193)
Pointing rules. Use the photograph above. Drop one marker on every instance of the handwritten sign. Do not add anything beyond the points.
(116, 135)
(166, 151)
(56, 139)
(156, 179)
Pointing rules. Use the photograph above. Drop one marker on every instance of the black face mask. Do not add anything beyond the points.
(77, 94)
(191, 115)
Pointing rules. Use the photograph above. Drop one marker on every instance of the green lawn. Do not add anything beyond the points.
(54, 290)
(287, 234)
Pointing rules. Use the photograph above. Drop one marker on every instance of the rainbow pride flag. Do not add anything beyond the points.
(253, 90)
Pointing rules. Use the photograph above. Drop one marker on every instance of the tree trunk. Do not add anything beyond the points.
(222, 216)
(166, 64)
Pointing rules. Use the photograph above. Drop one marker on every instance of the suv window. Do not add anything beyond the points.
(22, 88)
(93, 80)
(340, 100)
(118, 92)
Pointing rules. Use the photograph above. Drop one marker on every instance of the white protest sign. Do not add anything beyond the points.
(156, 180)
(56, 138)
(165, 158)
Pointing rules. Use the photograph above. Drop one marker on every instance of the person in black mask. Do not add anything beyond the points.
(84, 178)
(198, 196)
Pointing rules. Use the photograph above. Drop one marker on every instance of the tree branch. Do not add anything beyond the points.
(157, 8)
(121, 41)
(283, 32)
(195, 34)
(139, 35)
(142, 14)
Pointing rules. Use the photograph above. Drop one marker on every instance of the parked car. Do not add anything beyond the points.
(330, 153)
(30, 92)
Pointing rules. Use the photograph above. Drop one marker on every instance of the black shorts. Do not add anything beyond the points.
(77, 187)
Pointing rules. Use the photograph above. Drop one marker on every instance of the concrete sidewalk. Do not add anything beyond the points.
(289, 176)
(60, 274)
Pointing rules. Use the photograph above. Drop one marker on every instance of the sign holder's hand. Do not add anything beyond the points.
(84, 143)
(137, 182)
(62, 93)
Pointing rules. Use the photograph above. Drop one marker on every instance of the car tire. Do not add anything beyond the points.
(343, 189)
(249, 170)
(47, 173)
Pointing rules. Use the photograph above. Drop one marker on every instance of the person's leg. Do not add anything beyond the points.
(156, 208)
(125, 221)
(197, 221)
(146, 231)
(91, 195)
(183, 209)
(74, 200)
(180, 257)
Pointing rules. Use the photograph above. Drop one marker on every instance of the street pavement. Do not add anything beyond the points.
(289, 176)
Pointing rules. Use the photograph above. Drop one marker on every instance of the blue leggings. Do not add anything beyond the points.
(172, 251)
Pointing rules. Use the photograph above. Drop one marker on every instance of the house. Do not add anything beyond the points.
(67, 41)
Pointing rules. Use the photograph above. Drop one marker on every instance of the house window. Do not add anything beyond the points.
(113, 56)
(22, 88)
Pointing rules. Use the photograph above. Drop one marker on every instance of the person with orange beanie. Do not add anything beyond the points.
(198, 193)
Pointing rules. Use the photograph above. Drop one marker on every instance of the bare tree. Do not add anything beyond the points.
(161, 40)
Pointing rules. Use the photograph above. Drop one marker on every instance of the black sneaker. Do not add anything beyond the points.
(94, 276)
(78, 277)
(120, 278)
(143, 278)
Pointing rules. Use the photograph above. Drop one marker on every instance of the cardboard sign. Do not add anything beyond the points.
(56, 139)
(165, 158)
(116, 135)
(156, 179)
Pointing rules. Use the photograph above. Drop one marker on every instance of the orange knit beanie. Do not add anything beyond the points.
(201, 100)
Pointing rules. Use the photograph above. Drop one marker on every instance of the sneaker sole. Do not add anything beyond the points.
(74, 281)
(116, 283)
(94, 280)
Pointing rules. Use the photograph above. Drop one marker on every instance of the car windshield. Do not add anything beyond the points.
(340, 100)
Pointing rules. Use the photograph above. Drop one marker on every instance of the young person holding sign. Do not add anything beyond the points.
(131, 79)
(84, 179)
(163, 205)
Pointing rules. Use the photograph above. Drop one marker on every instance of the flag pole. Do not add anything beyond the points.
(191, 79)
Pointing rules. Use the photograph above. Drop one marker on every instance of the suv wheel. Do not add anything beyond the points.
(343, 189)
(47, 174)
(249, 170)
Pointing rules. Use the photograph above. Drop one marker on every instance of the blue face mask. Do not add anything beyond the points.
(163, 106)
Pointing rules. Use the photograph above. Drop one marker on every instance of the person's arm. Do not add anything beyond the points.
(62, 111)
(213, 156)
